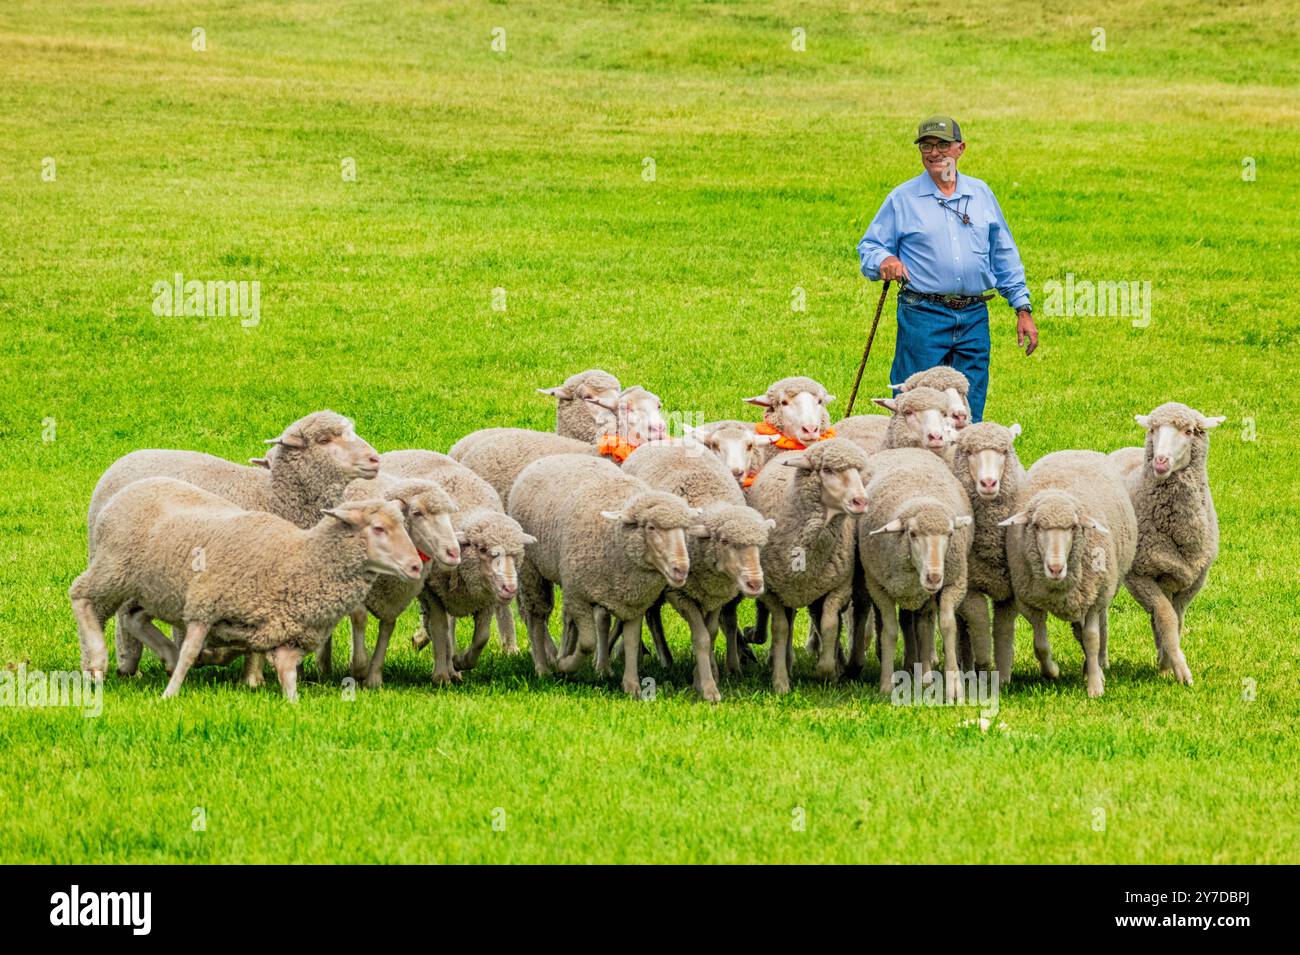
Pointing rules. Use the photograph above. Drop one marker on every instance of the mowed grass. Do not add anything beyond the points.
(523, 171)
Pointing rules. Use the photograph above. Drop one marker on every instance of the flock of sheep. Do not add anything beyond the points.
(887, 523)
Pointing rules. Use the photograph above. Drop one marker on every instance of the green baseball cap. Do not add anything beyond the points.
(940, 127)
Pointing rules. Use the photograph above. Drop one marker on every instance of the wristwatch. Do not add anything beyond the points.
(1026, 308)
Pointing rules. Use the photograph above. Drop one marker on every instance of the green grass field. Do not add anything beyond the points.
(524, 170)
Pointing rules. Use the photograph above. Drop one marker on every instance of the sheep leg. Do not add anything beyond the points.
(759, 633)
(706, 683)
(536, 600)
(1004, 638)
(1092, 671)
(374, 675)
(360, 666)
(324, 658)
(1103, 657)
(887, 637)
(436, 619)
(253, 665)
(482, 634)
(979, 643)
(712, 620)
(731, 634)
(655, 624)
(127, 645)
(420, 639)
(1164, 621)
(631, 639)
(911, 653)
(923, 624)
(779, 653)
(582, 617)
(858, 637)
(195, 633)
(90, 633)
(954, 691)
(814, 642)
(285, 659)
(828, 659)
(142, 630)
(506, 627)
(1042, 647)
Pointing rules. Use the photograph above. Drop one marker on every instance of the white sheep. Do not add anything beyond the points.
(1178, 529)
(1068, 548)
(246, 580)
(913, 543)
(794, 415)
(814, 496)
(608, 541)
(736, 444)
(725, 557)
(576, 415)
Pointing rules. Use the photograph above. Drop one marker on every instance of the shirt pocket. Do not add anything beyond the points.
(978, 237)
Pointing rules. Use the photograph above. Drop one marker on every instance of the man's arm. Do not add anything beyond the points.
(1009, 274)
(881, 240)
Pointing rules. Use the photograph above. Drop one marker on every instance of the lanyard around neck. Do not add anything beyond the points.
(965, 219)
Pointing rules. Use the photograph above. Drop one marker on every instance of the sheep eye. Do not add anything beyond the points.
(650, 527)
(379, 530)
(324, 439)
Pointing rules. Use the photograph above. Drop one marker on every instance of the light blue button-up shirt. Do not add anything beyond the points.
(943, 255)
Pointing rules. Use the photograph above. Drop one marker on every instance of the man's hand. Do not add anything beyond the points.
(892, 269)
(1025, 327)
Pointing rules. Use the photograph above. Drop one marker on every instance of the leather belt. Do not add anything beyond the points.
(951, 301)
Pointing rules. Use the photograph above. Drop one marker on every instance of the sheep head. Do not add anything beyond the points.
(1055, 522)
(1177, 436)
(634, 415)
(836, 465)
(927, 526)
(737, 447)
(951, 382)
(735, 535)
(492, 545)
(381, 527)
(654, 527)
(326, 442)
(427, 509)
(925, 413)
(796, 407)
(982, 453)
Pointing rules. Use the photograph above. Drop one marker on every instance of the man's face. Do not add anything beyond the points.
(938, 156)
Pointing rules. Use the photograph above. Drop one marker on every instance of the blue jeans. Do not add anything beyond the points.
(930, 334)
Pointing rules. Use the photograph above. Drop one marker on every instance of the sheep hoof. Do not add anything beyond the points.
(1096, 686)
(631, 687)
(828, 672)
(569, 664)
(373, 681)
(419, 640)
(781, 686)
(461, 663)
(446, 677)
(1050, 670)
(1182, 672)
(709, 693)
(852, 670)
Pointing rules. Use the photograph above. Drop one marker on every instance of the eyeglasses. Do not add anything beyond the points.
(934, 147)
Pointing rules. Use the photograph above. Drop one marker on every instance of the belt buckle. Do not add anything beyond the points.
(953, 301)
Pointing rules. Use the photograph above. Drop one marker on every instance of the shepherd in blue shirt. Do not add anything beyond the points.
(943, 235)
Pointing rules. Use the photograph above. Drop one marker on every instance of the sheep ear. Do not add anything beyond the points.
(1143, 420)
(559, 391)
(902, 387)
(1095, 524)
(889, 403)
(696, 512)
(353, 516)
(798, 460)
(288, 440)
(260, 463)
(1210, 423)
(606, 405)
(1021, 518)
(830, 398)
(528, 539)
(697, 530)
(765, 438)
(965, 520)
(770, 524)
(1015, 431)
(616, 516)
(893, 527)
(761, 400)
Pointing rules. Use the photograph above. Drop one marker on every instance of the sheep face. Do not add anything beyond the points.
(1176, 436)
(1054, 523)
(737, 448)
(634, 415)
(958, 409)
(592, 384)
(926, 414)
(330, 442)
(926, 527)
(797, 408)
(382, 528)
(654, 533)
(493, 547)
(737, 536)
(431, 531)
(985, 448)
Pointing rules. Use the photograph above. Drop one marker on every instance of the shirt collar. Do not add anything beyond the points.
(925, 187)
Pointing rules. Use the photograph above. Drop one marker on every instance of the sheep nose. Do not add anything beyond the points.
(737, 472)
(989, 484)
(677, 572)
(857, 504)
(1056, 570)
(453, 554)
(1161, 463)
(933, 579)
(509, 589)
(934, 437)
(413, 569)
(373, 458)
(959, 421)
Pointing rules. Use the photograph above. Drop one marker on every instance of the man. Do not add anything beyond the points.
(943, 236)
